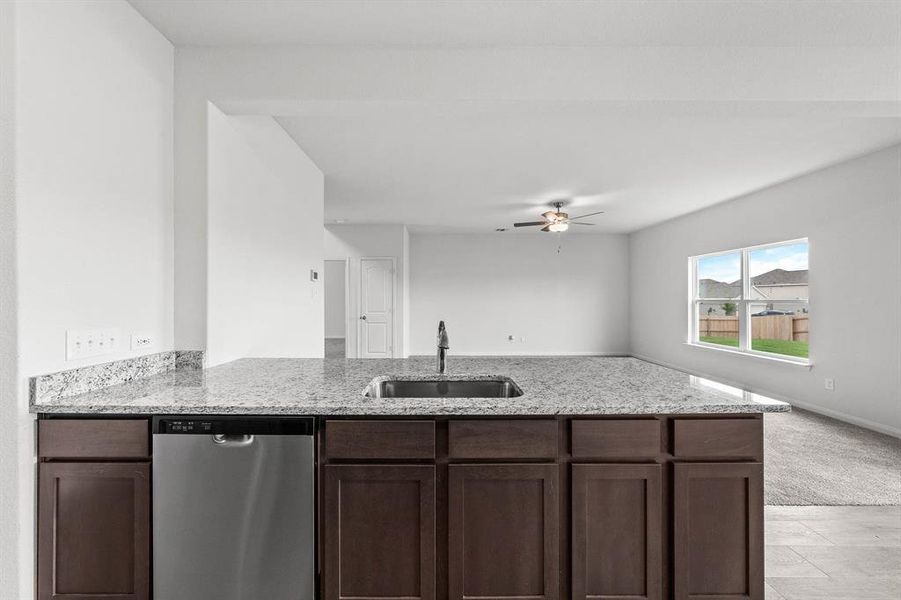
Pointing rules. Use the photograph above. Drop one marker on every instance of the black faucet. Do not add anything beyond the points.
(443, 347)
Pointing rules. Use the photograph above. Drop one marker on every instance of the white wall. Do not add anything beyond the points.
(286, 80)
(405, 295)
(94, 177)
(334, 284)
(354, 242)
(94, 204)
(265, 212)
(15, 430)
(488, 286)
(851, 212)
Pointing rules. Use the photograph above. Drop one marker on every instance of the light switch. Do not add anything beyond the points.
(84, 343)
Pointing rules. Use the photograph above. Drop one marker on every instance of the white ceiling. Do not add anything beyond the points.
(527, 22)
(480, 166)
(480, 137)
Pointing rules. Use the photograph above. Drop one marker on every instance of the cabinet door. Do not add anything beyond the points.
(616, 532)
(503, 532)
(379, 532)
(94, 531)
(718, 531)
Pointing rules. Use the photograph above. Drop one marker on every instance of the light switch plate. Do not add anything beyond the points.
(84, 343)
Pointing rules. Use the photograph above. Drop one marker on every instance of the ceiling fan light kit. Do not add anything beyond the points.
(557, 221)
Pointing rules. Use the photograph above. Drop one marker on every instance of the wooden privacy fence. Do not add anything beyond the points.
(726, 327)
(770, 327)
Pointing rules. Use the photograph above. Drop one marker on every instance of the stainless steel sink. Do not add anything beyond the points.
(498, 387)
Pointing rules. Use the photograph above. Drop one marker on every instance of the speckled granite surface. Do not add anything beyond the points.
(83, 380)
(551, 386)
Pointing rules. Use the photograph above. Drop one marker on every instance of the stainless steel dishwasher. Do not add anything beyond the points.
(233, 508)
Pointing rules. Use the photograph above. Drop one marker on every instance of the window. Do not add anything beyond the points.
(753, 300)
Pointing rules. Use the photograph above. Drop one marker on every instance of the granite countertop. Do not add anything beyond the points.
(308, 386)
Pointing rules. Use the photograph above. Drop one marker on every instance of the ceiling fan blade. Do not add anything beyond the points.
(600, 212)
(546, 228)
(578, 223)
(530, 224)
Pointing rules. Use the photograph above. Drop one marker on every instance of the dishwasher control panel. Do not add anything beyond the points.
(188, 427)
(233, 425)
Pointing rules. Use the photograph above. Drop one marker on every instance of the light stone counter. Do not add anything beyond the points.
(550, 385)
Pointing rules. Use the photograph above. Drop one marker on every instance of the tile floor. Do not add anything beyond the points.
(833, 552)
(334, 348)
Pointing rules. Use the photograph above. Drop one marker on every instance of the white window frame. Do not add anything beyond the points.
(743, 305)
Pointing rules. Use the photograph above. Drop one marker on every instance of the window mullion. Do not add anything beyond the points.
(744, 313)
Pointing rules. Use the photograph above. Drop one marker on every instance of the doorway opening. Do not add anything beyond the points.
(335, 301)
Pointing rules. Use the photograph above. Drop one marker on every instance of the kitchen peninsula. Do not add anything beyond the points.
(608, 477)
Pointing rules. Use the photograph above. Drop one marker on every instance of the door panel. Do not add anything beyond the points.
(94, 531)
(616, 532)
(376, 308)
(503, 532)
(379, 532)
(718, 531)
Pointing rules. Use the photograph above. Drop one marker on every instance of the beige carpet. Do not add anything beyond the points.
(815, 460)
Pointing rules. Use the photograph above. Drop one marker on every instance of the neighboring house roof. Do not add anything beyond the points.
(781, 277)
(711, 288)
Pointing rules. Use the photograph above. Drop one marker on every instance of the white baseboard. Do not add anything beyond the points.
(530, 354)
(841, 416)
(835, 414)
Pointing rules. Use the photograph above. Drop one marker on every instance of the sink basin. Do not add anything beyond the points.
(497, 387)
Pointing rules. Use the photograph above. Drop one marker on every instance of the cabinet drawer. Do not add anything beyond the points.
(94, 438)
(380, 439)
(718, 438)
(502, 439)
(616, 438)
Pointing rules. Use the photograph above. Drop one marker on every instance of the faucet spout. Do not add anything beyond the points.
(443, 347)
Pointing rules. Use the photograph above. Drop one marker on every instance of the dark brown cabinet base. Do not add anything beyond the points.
(718, 531)
(617, 534)
(503, 529)
(619, 508)
(93, 517)
(606, 508)
(379, 531)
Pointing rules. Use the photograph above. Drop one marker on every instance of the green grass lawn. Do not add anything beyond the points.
(785, 347)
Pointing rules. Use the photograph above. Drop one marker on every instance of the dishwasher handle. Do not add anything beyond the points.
(232, 439)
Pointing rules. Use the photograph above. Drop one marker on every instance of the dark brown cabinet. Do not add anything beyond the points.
(503, 527)
(379, 531)
(616, 532)
(94, 531)
(718, 531)
(93, 534)
(591, 508)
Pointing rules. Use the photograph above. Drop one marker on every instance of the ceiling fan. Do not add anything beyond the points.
(556, 220)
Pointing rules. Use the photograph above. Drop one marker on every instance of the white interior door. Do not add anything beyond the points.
(376, 308)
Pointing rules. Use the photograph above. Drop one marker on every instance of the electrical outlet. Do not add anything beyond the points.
(139, 341)
(84, 343)
(829, 383)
